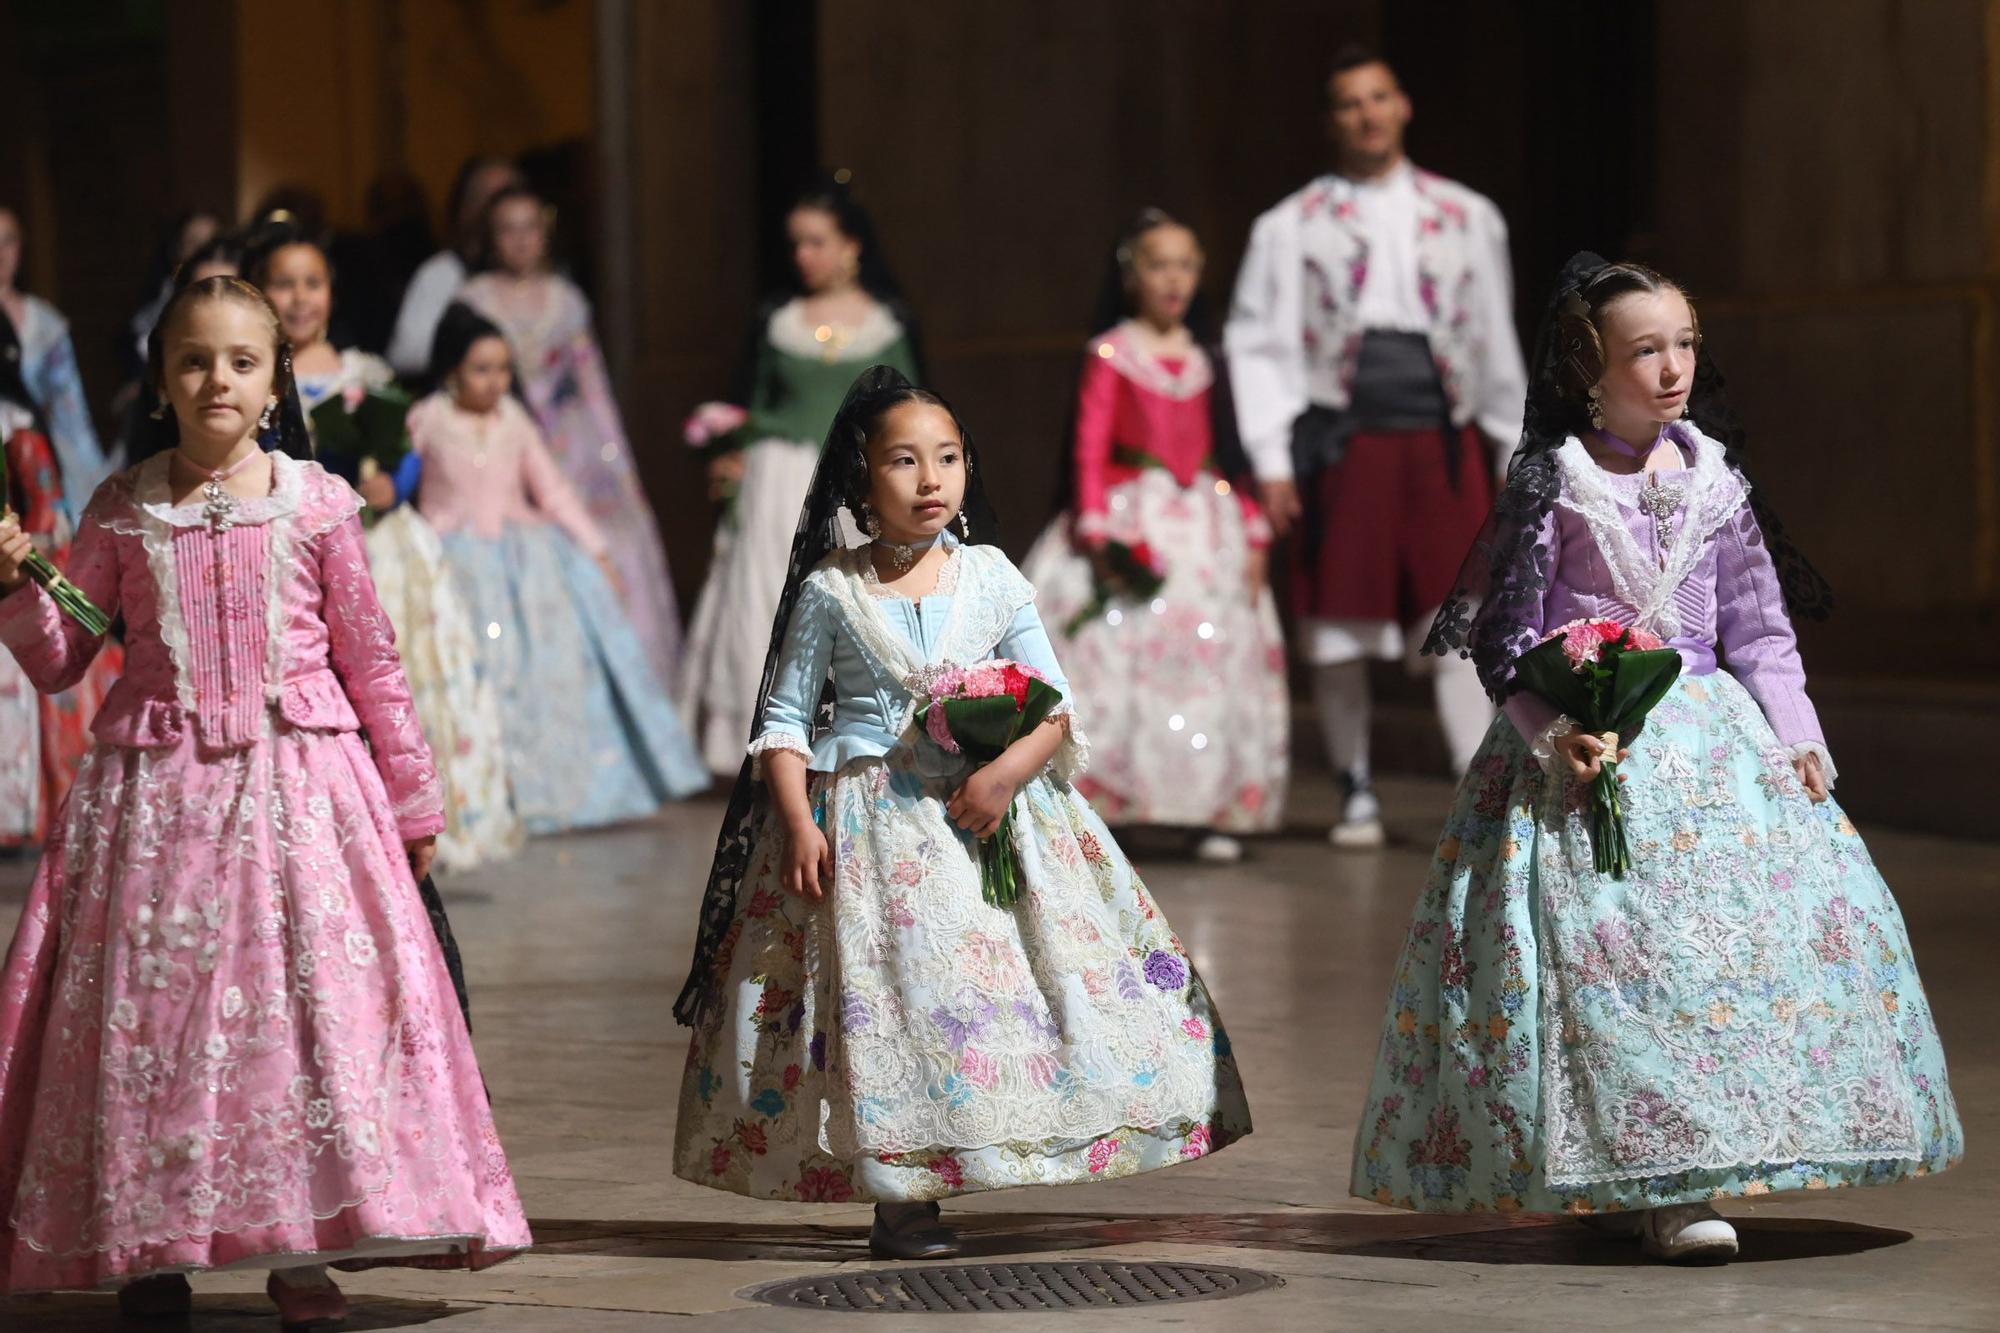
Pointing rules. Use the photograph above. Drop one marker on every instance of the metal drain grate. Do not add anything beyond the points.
(1011, 1288)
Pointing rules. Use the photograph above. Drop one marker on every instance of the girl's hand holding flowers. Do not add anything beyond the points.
(379, 491)
(1585, 754)
(15, 548)
(808, 861)
(983, 799)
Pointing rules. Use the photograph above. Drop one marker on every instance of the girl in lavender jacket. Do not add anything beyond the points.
(1740, 1014)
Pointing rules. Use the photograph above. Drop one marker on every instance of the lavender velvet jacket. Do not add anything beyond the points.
(1702, 579)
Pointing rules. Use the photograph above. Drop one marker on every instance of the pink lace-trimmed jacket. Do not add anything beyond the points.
(218, 648)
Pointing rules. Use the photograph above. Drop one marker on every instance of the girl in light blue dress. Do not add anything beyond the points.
(866, 1025)
(1740, 1014)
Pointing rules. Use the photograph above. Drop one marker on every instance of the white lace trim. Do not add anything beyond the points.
(153, 494)
(947, 577)
(979, 616)
(1821, 753)
(278, 567)
(1132, 360)
(774, 740)
(1715, 492)
(1543, 747)
(156, 538)
(357, 368)
(791, 333)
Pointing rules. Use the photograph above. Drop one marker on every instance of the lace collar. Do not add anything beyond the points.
(947, 579)
(1714, 491)
(357, 369)
(1130, 358)
(791, 334)
(153, 494)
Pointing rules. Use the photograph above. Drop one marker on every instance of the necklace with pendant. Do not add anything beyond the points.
(1659, 500)
(218, 507)
(1662, 500)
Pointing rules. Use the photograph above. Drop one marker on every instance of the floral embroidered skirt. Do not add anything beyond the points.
(903, 1040)
(583, 434)
(1741, 1014)
(591, 738)
(227, 1036)
(1184, 694)
(439, 643)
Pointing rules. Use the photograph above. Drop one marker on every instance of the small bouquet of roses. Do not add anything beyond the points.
(978, 711)
(69, 598)
(1605, 678)
(1135, 571)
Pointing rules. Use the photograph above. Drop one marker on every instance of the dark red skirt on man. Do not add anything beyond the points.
(1385, 530)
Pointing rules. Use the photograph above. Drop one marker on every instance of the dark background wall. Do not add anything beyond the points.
(1824, 174)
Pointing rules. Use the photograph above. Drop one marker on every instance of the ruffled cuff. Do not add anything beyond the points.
(1072, 757)
(775, 740)
(1819, 752)
(421, 813)
(1543, 746)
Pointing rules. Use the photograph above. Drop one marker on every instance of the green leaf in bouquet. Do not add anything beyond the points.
(982, 727)
(380, 421)
(1546, 670)
(1042, 700)
(1639, 679)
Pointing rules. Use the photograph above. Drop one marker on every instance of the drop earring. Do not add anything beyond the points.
(1596, 407)
(964, 525)
(871, 524)
(264, 421)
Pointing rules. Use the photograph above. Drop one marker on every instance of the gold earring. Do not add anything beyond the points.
(1596, 407)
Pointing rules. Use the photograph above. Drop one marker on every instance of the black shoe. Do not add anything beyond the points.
(162, 1296)
(910, 1231)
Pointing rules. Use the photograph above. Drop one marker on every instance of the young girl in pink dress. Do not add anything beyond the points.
(227, 1035)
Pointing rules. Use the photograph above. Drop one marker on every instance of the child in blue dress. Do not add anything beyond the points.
(867, 1026)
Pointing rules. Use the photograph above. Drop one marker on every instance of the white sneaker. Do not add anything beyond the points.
(1688, 1233)
(1219, 848)
(1360, 826)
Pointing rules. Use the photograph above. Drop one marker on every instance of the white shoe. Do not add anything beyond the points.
(1687, 1233)
(1219, 848)
(1360, 826)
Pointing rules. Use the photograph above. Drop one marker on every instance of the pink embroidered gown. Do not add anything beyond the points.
(227, 1036)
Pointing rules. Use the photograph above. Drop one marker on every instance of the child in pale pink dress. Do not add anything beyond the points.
(227, 1036)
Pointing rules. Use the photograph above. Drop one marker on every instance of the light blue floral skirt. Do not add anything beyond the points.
(590, 735)
(1741, 1014)
(904, 1040)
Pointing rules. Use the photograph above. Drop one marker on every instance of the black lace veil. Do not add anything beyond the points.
(1492, 615)
(839, 482)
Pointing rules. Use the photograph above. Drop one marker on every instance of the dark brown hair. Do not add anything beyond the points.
(1580, 322)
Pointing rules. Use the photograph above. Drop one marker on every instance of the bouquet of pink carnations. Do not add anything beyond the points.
(978, 711)
(1605, 678)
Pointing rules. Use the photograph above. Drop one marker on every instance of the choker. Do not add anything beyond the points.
(901, 557)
